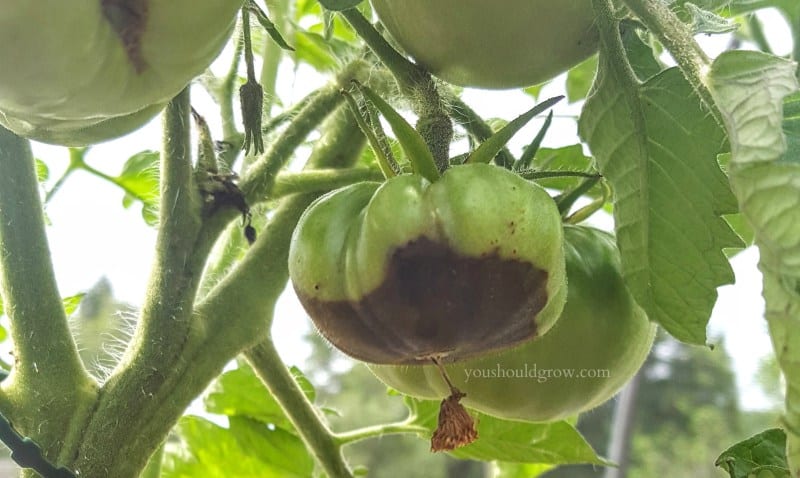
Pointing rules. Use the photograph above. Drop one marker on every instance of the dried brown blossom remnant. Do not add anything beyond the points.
(456, 427)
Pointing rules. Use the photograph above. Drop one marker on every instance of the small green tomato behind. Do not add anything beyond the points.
(602, 334)
(80, 71)
(492, 43)
(406, 270)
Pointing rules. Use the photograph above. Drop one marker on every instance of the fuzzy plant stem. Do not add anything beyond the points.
(339, 147)
(116, 438)
(260, 177)
(304, 416)
(48, 388)
(366, 433)
(433, 124)
(679, 41)
(476, 127)
(322, 180)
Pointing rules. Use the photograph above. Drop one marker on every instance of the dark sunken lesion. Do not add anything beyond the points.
(128, 18)
(435, 301)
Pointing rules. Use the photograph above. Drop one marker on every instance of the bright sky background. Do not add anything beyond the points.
(92, 236)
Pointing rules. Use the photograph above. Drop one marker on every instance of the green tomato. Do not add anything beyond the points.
(492, 43)
(405, 270)
(602, 338)
(74, 64)
(83, 132)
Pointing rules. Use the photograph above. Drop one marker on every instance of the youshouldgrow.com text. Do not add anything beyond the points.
(533, 372)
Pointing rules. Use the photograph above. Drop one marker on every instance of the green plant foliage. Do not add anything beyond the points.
(139, 180)
(749, 88)
(567, 158)
(579, 79)
(246, 447)
(518, 470)
(239, 392)
(657, 147)
(762, 456)
(260, 439)
(506, 441)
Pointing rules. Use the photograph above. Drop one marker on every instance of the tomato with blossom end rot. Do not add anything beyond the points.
(406, 271)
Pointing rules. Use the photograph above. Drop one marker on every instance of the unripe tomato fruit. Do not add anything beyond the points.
(492, 43)
(405, 270)
(600, 329)
(69, 65)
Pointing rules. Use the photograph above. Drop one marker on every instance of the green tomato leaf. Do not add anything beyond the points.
(496, 142)
(791, 126)
(42, 171)
(761, 455)
(533, 91)
(323, 54)
(567, 158)
(749, 89)
(705, 21)
(268, 26)
(556, 443)
(139, 179)
(72, 302)
(246, 448)
(579, 79)
(640, 55)
(239, 392)
(519, 470)
(657, 147)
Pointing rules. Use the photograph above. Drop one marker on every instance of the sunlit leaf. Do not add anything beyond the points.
(140, 181)
(239, 392)
(248, 449)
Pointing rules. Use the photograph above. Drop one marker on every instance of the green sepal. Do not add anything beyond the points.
(489, 148)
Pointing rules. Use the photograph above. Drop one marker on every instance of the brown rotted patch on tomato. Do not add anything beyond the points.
(128, 18)
(435, 302)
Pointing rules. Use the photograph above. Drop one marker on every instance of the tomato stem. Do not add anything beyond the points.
(408, 75)
(284, 388)
(445, 376)
(376, 431)
(476, 127)
(414, 145)
(258, 181)
(416, 84)
(678, 39)
(322, 180)
(583, 213)
(48, 375)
